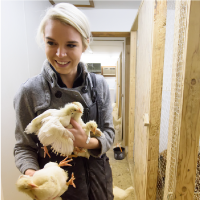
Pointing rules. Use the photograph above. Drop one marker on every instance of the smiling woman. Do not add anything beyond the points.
(66, 34)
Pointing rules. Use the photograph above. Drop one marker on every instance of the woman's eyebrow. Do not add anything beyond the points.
(48, 38)
(72, 42)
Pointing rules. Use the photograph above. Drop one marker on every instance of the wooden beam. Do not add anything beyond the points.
(159, 31)
(127, 90)
(91, 5)
(135, 23)
(110, 34)
(148, 96)
(185, 105)
(131, 113)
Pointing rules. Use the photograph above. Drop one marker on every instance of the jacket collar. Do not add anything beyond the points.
(50, 75)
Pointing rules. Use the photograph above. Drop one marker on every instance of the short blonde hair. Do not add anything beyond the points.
(67, 14)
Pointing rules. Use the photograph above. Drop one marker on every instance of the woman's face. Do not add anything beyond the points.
(63, 46)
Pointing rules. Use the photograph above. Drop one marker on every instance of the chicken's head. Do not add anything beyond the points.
(91, 126)
(25, 184)
(79, 106)
(70, 109)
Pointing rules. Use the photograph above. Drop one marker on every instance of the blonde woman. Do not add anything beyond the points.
(65, 32)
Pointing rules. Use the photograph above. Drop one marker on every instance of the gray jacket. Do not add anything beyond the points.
(41, 93)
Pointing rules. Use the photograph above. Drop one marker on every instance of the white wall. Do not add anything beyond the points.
(21, 59)
(111, 20)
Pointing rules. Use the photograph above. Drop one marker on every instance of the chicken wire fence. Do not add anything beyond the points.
(171, 97)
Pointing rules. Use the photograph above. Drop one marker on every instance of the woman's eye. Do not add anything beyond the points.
(50, 43)
(71, 45)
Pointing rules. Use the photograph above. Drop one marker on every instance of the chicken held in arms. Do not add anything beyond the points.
(50, 127)
(48, 183)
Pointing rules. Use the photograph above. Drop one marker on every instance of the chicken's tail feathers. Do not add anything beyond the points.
(30, 129)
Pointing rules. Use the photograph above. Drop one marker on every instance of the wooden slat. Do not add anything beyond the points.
(189, 105)
(120, 88)
(131, 113)
(110, 34)
(87, 6)
(159, 31)
(149, 76)
(127, 91)
(135, 23)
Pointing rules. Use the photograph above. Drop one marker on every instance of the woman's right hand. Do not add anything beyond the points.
(30, 172)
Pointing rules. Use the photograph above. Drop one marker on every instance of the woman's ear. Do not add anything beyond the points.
(84, 48)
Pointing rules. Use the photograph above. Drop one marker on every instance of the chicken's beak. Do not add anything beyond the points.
(79, 110)
(32, 185)
(94, 131)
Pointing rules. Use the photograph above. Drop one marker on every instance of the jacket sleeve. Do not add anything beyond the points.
(107, 118)
(25, 150)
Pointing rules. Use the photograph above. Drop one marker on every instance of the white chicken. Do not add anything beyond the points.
(88, 127)
(50, 127)
(120, 194)
(48, 183)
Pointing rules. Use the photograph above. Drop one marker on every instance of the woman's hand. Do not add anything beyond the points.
(79, 134)
(30, 172)
(81, 137)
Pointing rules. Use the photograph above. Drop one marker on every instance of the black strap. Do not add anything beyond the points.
(93, 91)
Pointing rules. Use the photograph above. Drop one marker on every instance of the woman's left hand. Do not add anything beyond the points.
(79, 134)
(81, 137)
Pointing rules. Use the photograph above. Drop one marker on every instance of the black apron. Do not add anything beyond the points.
(93, 176)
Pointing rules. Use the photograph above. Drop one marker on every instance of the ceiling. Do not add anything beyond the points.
(103, 4)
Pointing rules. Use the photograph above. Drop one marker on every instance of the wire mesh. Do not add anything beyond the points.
(166, 96)
(171, 101)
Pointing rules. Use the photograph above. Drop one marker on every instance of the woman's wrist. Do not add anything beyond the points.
(30, 172)
(92, 144)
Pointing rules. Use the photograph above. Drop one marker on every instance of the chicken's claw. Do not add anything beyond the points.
(71, 181)
(79, 150)
(64, 162)
(45, 151)
(71, 156)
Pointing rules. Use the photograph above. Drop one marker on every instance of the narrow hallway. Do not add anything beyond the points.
(120, 168)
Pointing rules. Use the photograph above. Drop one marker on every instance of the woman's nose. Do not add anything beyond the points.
(61, 52)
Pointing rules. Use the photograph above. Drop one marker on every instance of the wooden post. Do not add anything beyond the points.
(127, 90)
(185, 108)
(133, 43)
(149, 76)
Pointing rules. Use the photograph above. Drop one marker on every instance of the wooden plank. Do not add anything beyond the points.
(159, 31)
(110, 34)
(120, 88)
(127, 91)
(185, 103)
(91, 5)
(131, 113)
(135, 23)
(149, 75)
(142, 96)
(117, 88)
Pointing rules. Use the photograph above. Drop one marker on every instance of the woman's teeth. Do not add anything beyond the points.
(62, 63)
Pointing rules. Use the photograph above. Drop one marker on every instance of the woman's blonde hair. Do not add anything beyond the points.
(67, 14)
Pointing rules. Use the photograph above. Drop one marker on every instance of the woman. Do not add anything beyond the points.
(66, 34)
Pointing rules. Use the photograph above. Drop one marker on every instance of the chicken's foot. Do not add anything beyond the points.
(45, 151)
(79, 150)
(71, 181)
(64, 162)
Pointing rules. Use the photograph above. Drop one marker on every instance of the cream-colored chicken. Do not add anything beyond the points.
(120, 194)
(90, 126)
(50, 127)
(48, 183)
